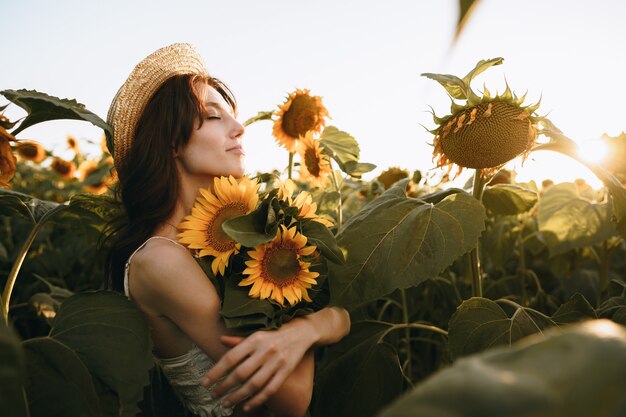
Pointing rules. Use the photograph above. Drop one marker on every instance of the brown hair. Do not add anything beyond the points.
(148, 184)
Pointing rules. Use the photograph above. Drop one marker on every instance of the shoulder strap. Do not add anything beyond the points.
(127, 266)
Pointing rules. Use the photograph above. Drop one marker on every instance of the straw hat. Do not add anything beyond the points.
(134, 95)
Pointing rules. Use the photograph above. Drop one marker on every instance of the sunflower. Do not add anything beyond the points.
(303, 201)
(485, 132)
(31, 151)
(8, 161)
(314, 166)
(72, 143)
(98, 185)
(65, 169)
(202, 229)
(276, 270)
(392, 175)
(300, 114)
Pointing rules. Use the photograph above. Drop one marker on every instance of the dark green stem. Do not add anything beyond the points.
(290, 166)
(477, 285)
(338, 189)
(407, 334)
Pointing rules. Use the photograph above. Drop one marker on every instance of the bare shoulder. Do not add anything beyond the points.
(165, 272)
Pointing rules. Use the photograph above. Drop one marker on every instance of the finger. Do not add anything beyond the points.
(231, 341)
(253, 385)
(226, 363)
(270, 389)
(239, 376)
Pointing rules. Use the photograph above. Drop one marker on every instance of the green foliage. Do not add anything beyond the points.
(97, 327)
(370, 373)
(344, 149)
(509, 199)
(12, 374)
(41, 107)
(568, 221)
(398, 242)
(480, 323)
(565, 373)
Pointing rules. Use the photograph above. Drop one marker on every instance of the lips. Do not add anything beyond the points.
(236, 149)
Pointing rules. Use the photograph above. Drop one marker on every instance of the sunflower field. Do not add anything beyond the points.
(496, 298)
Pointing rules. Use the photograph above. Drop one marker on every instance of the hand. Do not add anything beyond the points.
(260, 363)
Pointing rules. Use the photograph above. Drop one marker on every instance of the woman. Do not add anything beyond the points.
(175, 130)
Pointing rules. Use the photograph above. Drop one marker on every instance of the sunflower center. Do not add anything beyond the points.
(301, 117)
(281, 265)
(28, 150)
(216, 237)
(62, 167)
(312, 162)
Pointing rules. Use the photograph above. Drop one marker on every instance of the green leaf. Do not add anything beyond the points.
(319, 235)
(480, 67)
(341, 146)
(576, 372)
(576, 309)
(359, 375)
(614, 308)
(355, 169)
(466, 8)
(255, 228)
(59, 384)
(111, 337)
(13, 203)
(455, 86)
(480, 323)
(12, 374)
(243, 312)
(508, 199)
(568, 221)
(41, 107)
(398, 242)
(561, 143)
(262, 115)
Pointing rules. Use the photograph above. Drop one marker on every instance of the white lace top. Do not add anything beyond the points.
(185, 372)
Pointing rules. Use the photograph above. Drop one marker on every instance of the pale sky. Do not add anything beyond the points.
(363, 57)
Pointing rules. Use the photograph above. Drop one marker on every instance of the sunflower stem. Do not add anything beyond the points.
(15, 269)
(407, 335)
(290, 166)
(477, 285)
(338, 189)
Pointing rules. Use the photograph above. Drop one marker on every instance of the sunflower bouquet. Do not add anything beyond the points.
(265, 252)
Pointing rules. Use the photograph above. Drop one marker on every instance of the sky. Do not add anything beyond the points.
(363, 57)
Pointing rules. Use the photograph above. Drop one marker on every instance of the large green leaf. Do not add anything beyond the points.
(576, 372)
(59, 384)
(34, 209)
(568, 221)
(12, 374)
(509, 199)
(255, 228)
(319, 235)
(398, 242)
(111, 337)
(340, 145)
(561, 143)
(455, 86)
(358, 375)
(480, 323)
(41, 107)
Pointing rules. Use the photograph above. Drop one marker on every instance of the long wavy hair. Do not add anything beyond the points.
(148, 185)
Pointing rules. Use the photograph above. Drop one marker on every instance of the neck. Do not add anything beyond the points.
(187, 194)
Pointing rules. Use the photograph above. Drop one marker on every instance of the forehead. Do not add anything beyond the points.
(211, 97)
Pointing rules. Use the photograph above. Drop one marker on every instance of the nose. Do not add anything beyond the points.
(237, 129)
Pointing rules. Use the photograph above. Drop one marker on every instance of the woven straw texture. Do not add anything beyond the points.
(147, 77)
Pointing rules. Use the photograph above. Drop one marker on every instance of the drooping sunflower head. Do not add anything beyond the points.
(72, 143)
(392, 175)
(65, 169)
(7, 159)
(485, 132)
(29, 150)
(277, 270)
(300, 114)
(314, 165)
(202, 229)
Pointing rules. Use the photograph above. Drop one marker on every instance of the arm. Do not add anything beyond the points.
(262, 362)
